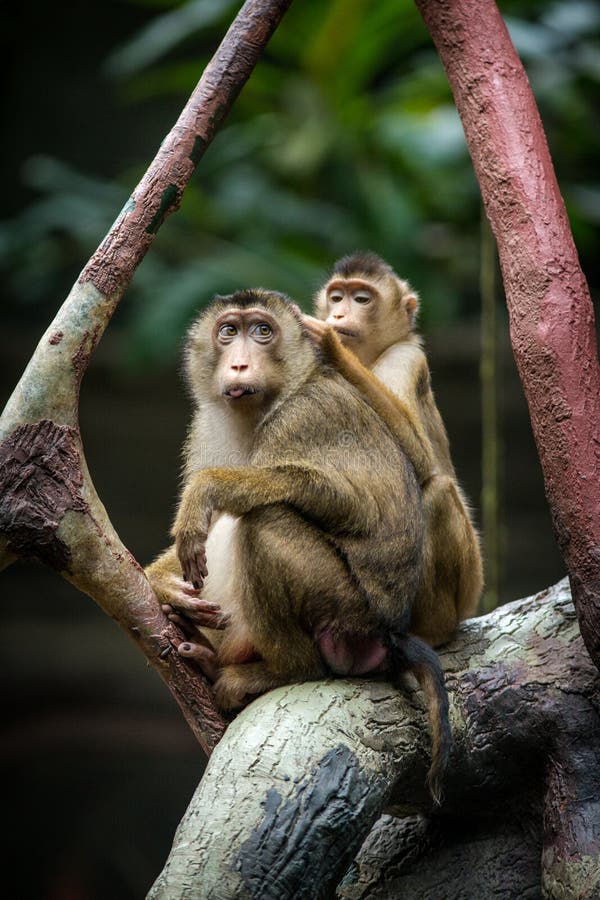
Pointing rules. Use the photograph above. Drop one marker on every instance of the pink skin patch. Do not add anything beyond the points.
(351, 654)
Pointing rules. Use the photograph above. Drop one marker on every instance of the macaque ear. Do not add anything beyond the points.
(411, 304)
(320, 303)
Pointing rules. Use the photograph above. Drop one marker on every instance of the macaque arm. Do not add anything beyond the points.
(327, 498)
(401, 419)
(405, 373)
(164, 575)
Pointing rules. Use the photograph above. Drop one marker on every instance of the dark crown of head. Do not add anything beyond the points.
(366, 263)
(252, 297)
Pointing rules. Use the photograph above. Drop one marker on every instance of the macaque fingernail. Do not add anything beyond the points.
(164, 653)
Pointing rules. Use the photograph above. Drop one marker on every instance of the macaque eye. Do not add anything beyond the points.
(227, 331)
(262, 331)
(362, 298)
(336, 298)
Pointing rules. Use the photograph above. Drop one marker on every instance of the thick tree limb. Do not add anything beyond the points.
(49, 509)
(551, 314)
(295, 785)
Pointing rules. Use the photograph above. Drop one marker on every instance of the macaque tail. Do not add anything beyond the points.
(411, 654)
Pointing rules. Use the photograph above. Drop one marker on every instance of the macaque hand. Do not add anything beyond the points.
(185, 607)
(191, 552)
(316, 328)
(171, 589)
(324, 337)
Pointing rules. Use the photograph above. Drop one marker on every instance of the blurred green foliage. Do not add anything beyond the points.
(345, 137)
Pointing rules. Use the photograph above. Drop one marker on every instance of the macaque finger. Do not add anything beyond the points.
(196, 610)
(203, 613)
(194, 605)
(202, 656)
(196, 573)
(315, 327)
(187, 588)
(193, 566)
(219, 621)
(191, 553)
(184, 624)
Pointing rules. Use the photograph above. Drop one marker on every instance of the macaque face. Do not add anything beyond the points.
(246, 341)
(369, 314)
(350, 306)
(355, 308)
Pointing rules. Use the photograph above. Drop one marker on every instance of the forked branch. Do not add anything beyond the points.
(49, 509)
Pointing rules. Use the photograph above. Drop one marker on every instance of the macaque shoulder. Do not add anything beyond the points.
(309, 424)
(403, 368)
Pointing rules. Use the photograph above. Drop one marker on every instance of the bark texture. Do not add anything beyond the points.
(551, 315)
(49, 509)
(301, 776)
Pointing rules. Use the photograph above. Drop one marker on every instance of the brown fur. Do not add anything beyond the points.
(326, 542)
(388, 365)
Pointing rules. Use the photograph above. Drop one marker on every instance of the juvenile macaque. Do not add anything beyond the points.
(366, 309)
(300, 518)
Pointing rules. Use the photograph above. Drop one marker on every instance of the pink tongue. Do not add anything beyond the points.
(236, 392)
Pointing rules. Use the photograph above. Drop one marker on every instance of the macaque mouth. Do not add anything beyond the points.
(241, 390)
(345, 331)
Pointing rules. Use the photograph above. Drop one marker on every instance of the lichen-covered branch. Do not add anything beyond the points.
(298, 781)
(551, 315)
(49, 509)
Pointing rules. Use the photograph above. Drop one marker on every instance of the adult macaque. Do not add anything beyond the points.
(366, 309)
(300, 518)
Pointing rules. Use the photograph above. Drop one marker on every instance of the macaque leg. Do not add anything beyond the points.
(451, 572)
(283, 599)
(471, 571)
(324, 497)
(239, 683)
(211, 650)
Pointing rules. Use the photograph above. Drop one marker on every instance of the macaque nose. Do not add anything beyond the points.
(239, 367)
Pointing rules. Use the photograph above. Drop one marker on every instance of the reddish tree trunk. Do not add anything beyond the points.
(551, 314)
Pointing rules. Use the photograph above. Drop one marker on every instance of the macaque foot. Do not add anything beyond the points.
(202, 656)
(230, 692)
(194, 609)
(170, 588)
(237, 685)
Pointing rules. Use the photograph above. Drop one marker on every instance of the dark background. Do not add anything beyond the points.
(98, 761)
